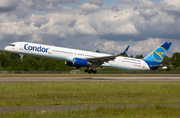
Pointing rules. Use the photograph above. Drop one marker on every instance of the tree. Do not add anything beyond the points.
(2, 60)
(176, 59)
(166, 61)
(125, 55)
(139, 57)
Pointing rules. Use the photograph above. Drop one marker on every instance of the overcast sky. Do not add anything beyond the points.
(107, 25)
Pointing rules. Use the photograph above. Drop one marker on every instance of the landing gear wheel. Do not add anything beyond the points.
(94, 71)
(90, 71)
(86, 70)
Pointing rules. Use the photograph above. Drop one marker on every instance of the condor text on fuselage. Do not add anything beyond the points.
(35, 48)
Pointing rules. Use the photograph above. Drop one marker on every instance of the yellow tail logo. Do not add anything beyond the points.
(159, 54)
(161, 51)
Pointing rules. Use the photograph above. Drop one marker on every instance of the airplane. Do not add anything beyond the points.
(92, 60)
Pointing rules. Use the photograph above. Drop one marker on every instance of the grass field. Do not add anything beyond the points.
(78, 93)
(127, 112)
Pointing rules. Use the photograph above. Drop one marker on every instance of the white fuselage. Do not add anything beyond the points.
(68, 54)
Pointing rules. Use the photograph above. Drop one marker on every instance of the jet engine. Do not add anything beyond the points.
(77, 62)
(81, 62)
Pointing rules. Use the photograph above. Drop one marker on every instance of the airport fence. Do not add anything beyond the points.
(82, 72)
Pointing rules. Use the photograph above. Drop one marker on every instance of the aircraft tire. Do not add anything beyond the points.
(86, 70)
(94, 71)
(90, 71)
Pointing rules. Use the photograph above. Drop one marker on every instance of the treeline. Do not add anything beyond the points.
(11, 62)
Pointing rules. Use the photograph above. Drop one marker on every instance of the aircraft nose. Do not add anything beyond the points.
(6, 48)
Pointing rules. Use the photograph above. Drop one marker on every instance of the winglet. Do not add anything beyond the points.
(97, 51)
(125, 51)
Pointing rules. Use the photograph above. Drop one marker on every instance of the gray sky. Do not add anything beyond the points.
(107, 25)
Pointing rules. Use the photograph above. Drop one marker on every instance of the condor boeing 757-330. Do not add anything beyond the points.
(92, 60)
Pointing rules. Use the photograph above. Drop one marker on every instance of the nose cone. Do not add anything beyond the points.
(6, 48)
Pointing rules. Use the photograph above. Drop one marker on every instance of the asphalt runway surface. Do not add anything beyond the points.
(42, 109)
(92, 79)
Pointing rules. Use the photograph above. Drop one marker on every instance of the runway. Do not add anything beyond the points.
(76, 107)
(92, 79)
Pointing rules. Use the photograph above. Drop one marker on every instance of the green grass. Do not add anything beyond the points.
(126, 112)
(78, 93)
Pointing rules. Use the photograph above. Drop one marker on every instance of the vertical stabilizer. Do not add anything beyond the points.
(157, 56)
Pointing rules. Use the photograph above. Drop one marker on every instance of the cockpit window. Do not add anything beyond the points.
(12, 45)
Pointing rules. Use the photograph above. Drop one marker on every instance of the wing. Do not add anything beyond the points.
(101, 60)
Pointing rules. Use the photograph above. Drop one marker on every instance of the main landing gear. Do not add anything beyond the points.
(90, 71)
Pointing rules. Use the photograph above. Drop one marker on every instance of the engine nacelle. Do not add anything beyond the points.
(81, 62)
(68, 63)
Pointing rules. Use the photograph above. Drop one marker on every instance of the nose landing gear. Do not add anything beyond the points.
(21, 58)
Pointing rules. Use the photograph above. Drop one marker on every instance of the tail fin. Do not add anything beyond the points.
(157, 56)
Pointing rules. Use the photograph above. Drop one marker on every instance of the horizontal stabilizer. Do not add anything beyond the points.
(157, 66)
(160, 67)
